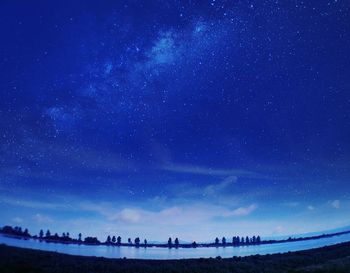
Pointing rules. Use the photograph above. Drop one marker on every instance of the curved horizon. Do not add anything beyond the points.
(183, 252)
(46, 234)
(66, 238)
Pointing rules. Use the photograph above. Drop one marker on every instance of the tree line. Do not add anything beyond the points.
(117, 240)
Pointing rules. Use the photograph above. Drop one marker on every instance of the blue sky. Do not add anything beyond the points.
(193, 119)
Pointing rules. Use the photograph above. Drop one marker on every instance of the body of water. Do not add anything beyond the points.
(166, 253)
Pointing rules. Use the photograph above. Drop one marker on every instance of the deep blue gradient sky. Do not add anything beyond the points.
(193, 119)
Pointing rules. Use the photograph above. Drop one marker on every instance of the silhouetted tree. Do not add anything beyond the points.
(108, 241)
(223, 240)
(242, 240)
(16, 231)
(137, 241)
(119, 240)
(217, 240)
(67, 234)
(64, 235)
(235, 240)
(79, 237)
(91, 240)
(129, 241)
(176, 242)
(254, 239)
(145, 242)
(41, 233)
(26, 233)
(247, 240)
(9, 230)
(258, 240)
(48, 233)
(169, 242)
(194, 244)
(114, 239)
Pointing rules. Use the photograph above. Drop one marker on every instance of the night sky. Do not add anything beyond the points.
(192, 119)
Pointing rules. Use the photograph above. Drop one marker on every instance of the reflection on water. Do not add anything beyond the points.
(165, 253)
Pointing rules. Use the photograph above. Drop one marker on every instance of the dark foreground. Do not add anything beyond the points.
(332, 259)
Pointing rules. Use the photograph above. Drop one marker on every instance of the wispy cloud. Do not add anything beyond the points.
(159, 223)
(214, 189)
(335, 204)
(291, 204)
(42, 219)
(310, 207)
(192, 169)
(17, 220)
(220, 193)
(182, 214)
(65, 163)
(35, 204)
(242, 211)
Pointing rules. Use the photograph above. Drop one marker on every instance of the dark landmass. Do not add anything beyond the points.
(18, 232)
(333, 259)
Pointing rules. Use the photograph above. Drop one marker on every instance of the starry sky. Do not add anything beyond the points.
(192, 119)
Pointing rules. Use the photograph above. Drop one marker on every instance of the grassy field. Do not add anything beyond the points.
(333, 259)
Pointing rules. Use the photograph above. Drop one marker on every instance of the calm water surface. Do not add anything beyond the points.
(165, 253)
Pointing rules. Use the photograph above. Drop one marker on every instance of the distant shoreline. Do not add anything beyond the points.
(69, 241)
